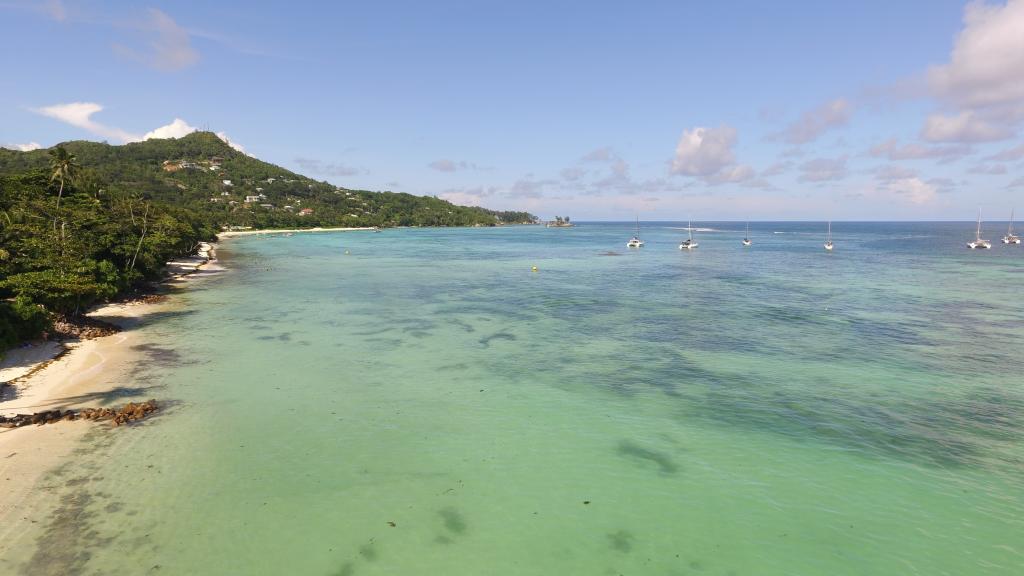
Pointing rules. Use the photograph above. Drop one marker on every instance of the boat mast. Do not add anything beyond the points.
(689, 228)
(977, 234)
(829, 239)
(1009, 231)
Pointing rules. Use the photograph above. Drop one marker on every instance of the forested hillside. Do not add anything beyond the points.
(86, 221)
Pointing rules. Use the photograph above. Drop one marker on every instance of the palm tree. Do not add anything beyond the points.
(64, 167)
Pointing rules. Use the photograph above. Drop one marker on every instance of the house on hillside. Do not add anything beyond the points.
(305, 212)
(252, 199)
(227, 182)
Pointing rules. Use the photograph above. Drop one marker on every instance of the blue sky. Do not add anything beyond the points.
(715, 110)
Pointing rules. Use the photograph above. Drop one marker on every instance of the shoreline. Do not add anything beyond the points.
(235, 233)
(72, 374)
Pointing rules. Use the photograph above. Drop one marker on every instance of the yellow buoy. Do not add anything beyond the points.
(346, 251)
(534, 268)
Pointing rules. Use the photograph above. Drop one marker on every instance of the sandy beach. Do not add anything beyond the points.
(69, 375)
(234, 233)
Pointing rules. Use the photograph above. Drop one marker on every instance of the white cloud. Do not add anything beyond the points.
(79, 114)
(823, 169)
(892, 150)
(814, 123)
(915, 190)
(178, 128)
(985, 67)
(28, 147)
(704, 151)
(234, 145)
(966, 126)
(707, 153)
(982, 85)
(175, 129)
(169, 46)
(731, 174)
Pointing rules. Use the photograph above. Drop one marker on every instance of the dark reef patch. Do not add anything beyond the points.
(639, 453)
(453, 520)
(486, 340)
(621, 541)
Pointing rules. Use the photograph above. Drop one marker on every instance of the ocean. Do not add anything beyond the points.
(420, 401)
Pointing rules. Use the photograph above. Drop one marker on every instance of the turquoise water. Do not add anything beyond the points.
(730, 411)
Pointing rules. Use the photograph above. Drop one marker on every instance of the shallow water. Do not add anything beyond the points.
(730, 411)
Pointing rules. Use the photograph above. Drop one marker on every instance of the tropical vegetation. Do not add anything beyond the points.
(84, 222)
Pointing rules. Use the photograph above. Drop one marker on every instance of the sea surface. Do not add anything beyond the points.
(420, 401)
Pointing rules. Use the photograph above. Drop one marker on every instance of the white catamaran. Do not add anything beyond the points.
(688, 244)
(746, 238)
(979, 243)
(828, 239)
(635, 241)
(1010, 237)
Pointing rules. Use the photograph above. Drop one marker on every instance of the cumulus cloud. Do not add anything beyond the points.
(707, 153)
(179, 128)
(27, 147)
(915, 190)
(169, 46)
(823, 169)
(892, 150)
(982, 85)
(985, 65)
(966, 126)
(814, 123)
(79, 114)
(175, 129)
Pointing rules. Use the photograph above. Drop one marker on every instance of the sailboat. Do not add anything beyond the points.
(635, 241)
(979, 243)
(688, 244)
(1010, 237)
(746, 238)
(828, 239)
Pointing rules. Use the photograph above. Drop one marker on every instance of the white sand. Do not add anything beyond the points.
(73, 381)
(233, 233)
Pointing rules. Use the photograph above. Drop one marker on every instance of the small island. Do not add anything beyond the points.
(560, 222)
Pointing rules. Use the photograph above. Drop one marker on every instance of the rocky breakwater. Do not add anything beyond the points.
(130, 412)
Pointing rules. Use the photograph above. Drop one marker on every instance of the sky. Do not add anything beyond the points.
(726, 110)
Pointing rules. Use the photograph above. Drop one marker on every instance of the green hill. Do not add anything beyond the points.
(121, 212)
(200, 171)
